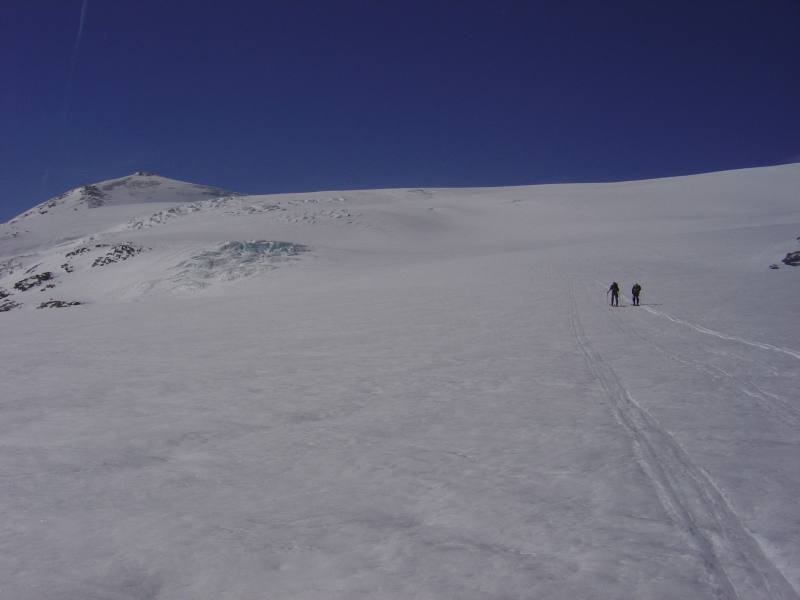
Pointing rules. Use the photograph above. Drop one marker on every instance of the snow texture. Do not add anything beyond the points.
(403, 393)
(233, 260)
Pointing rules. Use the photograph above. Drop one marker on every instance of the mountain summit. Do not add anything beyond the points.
(138, 188)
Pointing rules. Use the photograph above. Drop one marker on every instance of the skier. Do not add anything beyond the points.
(635, 291)
(614, 289)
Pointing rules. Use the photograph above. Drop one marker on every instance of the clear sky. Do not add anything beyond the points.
(299, 95)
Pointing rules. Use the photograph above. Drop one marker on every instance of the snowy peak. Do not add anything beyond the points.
(140, 187)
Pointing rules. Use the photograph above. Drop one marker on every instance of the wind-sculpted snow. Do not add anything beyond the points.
(9, 266)
(287, 211)
(234, 260)
(230, 205)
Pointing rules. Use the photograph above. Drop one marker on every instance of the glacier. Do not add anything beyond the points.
(403, 393)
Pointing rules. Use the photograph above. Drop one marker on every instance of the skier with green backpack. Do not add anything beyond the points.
(635, 291)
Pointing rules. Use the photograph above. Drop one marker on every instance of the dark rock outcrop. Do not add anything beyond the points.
(92, 196)
(792, 259)
(24, 285)
(77, 251)
(7, 305)
(58, 304)
(118, 252)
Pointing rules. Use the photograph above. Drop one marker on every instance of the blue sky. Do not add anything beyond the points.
(269, 96)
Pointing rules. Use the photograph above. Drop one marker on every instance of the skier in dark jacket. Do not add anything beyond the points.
(614, 289)
(635, 291)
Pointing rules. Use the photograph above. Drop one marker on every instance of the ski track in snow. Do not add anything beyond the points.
(777, 406)
(736, 565)
(722, 336)
(774, 404)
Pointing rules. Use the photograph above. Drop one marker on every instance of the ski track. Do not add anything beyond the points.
(722, 336)
(737, 567)
(775, 405)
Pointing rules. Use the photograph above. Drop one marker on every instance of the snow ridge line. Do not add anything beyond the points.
(728, 551)
(772, 403)
(723, 336)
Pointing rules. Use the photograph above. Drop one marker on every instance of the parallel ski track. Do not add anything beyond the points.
(736, 566)
(775, 405)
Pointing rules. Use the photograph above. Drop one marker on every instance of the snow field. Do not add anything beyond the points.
(434, 402)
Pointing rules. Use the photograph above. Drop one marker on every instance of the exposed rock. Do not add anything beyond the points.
(58, 304)
(792, 259)
(92, 196)
(29, 282)
(119, 252)
(7, 305)
(4, 294)
(77, 251)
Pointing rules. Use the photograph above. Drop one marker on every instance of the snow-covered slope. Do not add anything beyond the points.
(74, 212)
(138, 188)
(403, 393)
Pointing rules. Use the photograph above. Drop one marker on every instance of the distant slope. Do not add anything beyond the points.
(76, 213)
(138, 188)
(179, 236)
